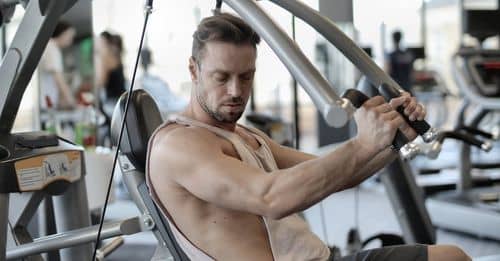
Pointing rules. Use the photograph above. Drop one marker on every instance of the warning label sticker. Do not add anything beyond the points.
(37, 172)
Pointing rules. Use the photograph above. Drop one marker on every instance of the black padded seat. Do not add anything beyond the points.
(142, 120)
(143, 117)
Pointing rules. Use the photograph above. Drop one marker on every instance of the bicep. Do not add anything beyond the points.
(210, 175)
(228, 183)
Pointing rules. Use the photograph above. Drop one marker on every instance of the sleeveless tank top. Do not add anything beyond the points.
(290, 237)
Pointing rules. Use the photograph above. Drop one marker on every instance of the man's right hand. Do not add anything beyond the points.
(377, 123)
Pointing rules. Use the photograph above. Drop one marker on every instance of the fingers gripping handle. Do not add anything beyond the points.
(357, 99)
(421, 127)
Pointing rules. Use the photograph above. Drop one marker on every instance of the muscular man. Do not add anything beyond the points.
(230, 193)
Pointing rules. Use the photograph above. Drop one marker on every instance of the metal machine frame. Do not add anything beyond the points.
(28, 45)
(462, 209)
(16, 210)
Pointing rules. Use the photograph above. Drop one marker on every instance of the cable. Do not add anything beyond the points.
(218, 7)
(323, 222)
(148, 9)
(356, 208)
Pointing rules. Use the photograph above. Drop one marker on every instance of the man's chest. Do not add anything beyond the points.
(241, 136)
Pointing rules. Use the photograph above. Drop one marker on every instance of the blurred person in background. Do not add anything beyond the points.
(109, 67)
(54, 89)
(399, 63)
(168, 102)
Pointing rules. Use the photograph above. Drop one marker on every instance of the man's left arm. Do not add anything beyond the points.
(287, 157)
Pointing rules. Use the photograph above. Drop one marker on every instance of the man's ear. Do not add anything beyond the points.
(193, 69)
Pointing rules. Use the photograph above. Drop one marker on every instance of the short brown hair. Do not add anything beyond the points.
(223, 27)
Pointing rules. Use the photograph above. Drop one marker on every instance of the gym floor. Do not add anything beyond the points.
(375, 216)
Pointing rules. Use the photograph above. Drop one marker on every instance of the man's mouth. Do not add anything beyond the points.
(233, 104)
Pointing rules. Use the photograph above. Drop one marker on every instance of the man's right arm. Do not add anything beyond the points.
(196, 162)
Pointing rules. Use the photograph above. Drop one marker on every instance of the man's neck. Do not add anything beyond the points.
(197, 113)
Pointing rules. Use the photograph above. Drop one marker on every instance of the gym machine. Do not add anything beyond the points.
(37, 166)
(335, 109)
(26, 50)
(477, 73)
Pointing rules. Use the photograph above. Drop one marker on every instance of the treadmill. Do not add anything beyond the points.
(471, 210)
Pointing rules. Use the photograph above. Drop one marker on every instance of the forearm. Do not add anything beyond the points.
(62, 86)
(297, 188)
(374, 165)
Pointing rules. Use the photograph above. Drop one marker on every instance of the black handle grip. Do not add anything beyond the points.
(357, 99)
(475, 131)
(465, 137)
(389, 92)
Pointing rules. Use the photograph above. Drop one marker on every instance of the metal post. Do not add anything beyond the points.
(72, 212)
(295, 100)
(4, 218)
(408, 203)
(423, 25)
(47, 225)
(383, 45)
(462, 22)
(465, 182)
(4, 40)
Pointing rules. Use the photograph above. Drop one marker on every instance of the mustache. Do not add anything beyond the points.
(235, 100)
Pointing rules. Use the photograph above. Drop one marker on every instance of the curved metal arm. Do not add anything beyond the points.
(338, 38)
(334, 109)
(355, 54)
(475, 131)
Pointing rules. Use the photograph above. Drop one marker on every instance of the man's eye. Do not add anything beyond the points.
(246, 77)
(220, 79)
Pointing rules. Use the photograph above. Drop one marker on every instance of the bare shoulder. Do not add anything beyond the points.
(178, 139)
(178, 148)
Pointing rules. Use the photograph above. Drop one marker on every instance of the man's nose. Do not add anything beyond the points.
(234, 88)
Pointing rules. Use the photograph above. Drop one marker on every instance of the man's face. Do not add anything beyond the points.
(223, 79)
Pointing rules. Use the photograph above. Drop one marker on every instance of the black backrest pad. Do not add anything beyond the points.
(143, 117)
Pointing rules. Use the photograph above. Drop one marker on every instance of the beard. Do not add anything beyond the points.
(216, 113)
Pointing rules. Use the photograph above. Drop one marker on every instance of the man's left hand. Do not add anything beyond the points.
(413, 109)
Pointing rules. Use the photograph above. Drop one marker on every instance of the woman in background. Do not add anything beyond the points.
(110, 67)
(110, 79)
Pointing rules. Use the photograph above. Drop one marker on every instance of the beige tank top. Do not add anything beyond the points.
(290, 237)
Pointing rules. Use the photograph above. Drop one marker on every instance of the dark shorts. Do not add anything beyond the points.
(393, 253)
